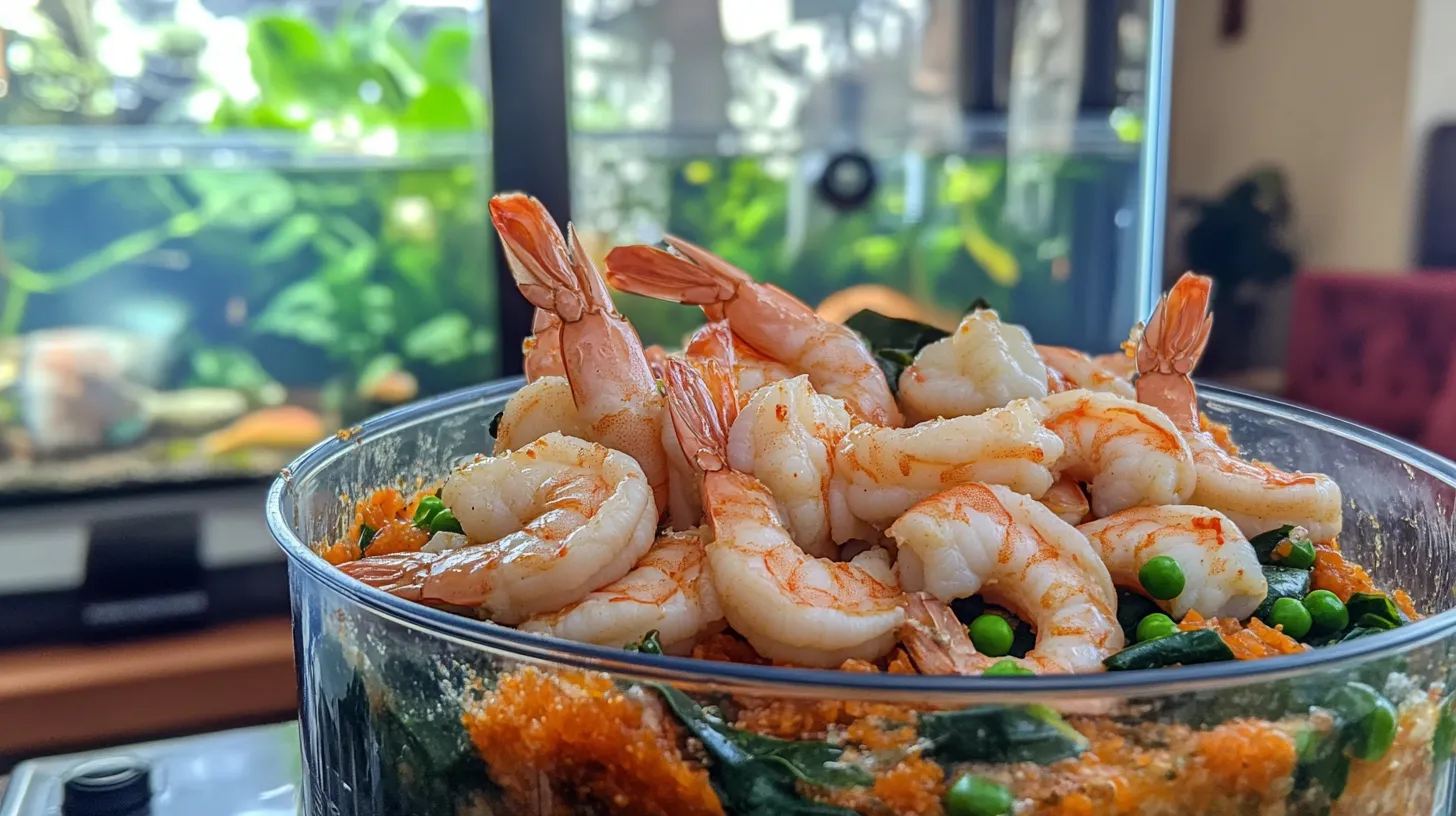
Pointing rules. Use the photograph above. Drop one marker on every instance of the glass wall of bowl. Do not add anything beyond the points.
(912, 156)
(228, 228)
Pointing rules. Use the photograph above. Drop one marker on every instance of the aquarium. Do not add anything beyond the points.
(844, 149)
(409, 709)
(227, 231)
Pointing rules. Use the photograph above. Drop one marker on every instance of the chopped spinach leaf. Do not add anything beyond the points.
(1000, 734)
(1376, 605)
(649, 644)
(366, 537)
(1284, 582)
(754, 773)
(495, 424)
(1445, 733)
(1183, 648)
(893, 341)
(1131, 609)
(1264, 543)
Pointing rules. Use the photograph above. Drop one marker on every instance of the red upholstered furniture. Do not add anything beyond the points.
(1379, 349)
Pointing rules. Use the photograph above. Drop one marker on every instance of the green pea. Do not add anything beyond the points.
(426, 510)
(1326, 611)
(992, 635)
(1299, 556)
(973, 795)
(1293, 616)
(445, 522)
(1377, 731)
(1162, 578)
(1006, 668)
(1154, 626)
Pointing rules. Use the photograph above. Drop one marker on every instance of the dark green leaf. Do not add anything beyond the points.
(978, 304)
(999, 734)
(1322, 768)
(1131, 609)
(288, 238)
(1445, 733)
(1284, 582)
(447, 56)
(757, 774)
(366, 537)
(441, 340)
(495, 424)
(1183, 648)
(1373, 622)
(1377, 605)
(1264, 543)
(441, 108)
(899, 334)
(649, 644)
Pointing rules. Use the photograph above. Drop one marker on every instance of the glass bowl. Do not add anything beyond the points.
(408, 709)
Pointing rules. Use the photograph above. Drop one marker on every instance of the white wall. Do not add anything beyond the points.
(1319, 88)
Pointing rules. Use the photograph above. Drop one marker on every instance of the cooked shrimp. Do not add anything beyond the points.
(540, 407)
(541, 352)
(1069, 369)
(792, 607)
(751, 370)
(547, 525)
(1067, 499)
(989, 540)
(1257, 496)
(1130, 454)
(984, 364)
(1222, 577)
(880, 472)
(765, 317)
(785, 437)
(611, 382)
(668, 590)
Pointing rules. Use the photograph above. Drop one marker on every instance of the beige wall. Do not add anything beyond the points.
(1317, 87)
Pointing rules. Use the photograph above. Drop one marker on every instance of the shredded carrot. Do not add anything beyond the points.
(1246, 756)
(1403, 603)
(576, 739)
(1247, 643)
(398, 536)
(1334, 573)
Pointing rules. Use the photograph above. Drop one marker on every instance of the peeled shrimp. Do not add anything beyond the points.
(668, 591)
(541, 352)
(791, 607)
(1067, 500)
(984, 364)
(612, 385)
(1130, 453)
(547, 524)
(1068, 369)
(1257, 496)
(879, 473)
(1222, 577)
(989, 540)
(540, 407)
(770, 320)
(785, 437)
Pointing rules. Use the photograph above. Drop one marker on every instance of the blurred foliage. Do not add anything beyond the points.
(948, 247)
(363, 247)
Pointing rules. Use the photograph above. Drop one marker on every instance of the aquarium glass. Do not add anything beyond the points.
(231, 227)
(746, 126)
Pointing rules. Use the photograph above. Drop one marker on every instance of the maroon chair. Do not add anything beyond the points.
(1379, 349)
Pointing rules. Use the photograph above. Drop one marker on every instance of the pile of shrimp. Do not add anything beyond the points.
(769, 480)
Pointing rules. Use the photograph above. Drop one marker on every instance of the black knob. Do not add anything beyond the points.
(119, 786)
(848, 181)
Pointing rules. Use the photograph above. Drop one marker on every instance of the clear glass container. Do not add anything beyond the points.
(407, 709)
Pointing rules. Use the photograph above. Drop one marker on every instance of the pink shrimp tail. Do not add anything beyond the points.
(1171, 346)
(687, 274)
(713, 341)
(700, 418)
(401, 574)
(553, 272)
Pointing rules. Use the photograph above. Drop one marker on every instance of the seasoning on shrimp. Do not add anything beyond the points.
(789, 605)
(1069, 369)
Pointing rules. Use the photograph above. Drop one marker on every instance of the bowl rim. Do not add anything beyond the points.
(526, 646)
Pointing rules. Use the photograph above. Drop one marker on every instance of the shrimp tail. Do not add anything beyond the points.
(701, 421)
(401, 574)
(538, 256)
(713, 341)
(1170, 347)
(657, 361)
(593, 286)
(690, 274)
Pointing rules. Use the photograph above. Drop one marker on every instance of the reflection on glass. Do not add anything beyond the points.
(716, 122)
(229, 228)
